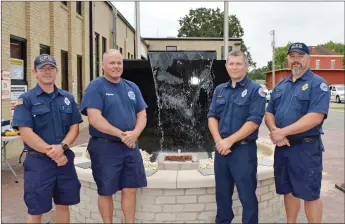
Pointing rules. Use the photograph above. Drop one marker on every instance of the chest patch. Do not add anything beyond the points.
(244, 93)
(131, 95)
(67, 102)
(305, 86)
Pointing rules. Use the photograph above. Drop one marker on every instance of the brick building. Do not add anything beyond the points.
(331, 76)
(71, 32)
(324, 62)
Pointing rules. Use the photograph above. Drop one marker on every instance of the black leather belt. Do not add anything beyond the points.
(245, 142)
(304, 140)
(32, 152)
(107, 140)
(35, 153)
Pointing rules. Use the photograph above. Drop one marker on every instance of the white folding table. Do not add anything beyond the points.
(5, 140)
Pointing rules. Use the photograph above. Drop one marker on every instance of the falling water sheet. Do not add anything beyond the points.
(184, 87)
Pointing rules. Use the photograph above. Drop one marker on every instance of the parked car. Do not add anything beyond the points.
(267, 92)
(337, 92)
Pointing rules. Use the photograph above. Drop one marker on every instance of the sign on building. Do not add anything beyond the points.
(17, 68)
(5, 85)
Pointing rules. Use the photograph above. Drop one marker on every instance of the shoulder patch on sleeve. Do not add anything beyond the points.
(19, 101)
(261, 92)
(324, 87)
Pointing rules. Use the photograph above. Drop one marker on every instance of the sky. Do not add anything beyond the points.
(310, 22)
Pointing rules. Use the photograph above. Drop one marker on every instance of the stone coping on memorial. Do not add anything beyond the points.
(174, 179)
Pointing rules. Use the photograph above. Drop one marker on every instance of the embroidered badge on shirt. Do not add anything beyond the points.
(244, 93)
(67, 102)
(324, 87)
(261, 92)
(131, 95)
(305, 86)
(19, 102)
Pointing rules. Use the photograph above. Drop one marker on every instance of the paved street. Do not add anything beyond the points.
(14, 209)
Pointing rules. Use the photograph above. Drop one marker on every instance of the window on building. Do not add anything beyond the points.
(78, 7)
(97, 54)
(104, 45)
(117, 47)
(332, 64)
(132, 57)
(64, 70)
(121, 50)
(18, 60)
(222, 52)
(171, 48)
(129, 55)
(44, 49)
(317, 64)
(64, 2)
(79, 78)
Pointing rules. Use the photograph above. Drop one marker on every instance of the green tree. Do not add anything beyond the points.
(280, 54)
(258, 73)
(337, 47)
(269, 66)
(207, 22)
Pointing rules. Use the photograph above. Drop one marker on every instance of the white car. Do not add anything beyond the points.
(337, 92)
(267, 92)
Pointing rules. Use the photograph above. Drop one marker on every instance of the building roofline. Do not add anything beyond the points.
(190, 38)
(287, 69)
(125, 21)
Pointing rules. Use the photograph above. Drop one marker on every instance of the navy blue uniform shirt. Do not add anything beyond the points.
(118, 102)
(50, 116)
(233, 107)
(292, 100)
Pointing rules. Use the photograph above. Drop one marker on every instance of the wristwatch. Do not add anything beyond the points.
(64, 146)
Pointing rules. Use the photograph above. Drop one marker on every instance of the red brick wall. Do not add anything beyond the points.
(325, 62)
(331, 76)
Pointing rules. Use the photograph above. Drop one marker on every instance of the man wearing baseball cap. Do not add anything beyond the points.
(294, 116)
(48, 120)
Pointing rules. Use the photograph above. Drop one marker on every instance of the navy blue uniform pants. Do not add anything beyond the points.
(238, 167)
(44, 180)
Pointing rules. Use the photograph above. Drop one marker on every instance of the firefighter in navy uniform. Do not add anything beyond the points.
(48, 120)
(295, 114)
(235, 114)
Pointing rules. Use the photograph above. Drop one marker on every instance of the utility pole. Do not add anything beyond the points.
(226, 29)
(273, 66)
(137, 30)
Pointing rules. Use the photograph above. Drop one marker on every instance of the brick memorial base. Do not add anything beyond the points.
(174, 196)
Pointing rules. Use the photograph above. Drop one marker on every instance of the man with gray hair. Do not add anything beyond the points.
(235, 114)
(294, 116)
(116, 112)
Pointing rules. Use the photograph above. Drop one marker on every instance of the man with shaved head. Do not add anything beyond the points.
(116, 112)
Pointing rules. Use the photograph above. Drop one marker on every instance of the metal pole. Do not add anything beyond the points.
(226, 28)
(273, 64)
(137, 30)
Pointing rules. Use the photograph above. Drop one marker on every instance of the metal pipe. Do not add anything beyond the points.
(137, 30)
(273, 64)
(114, 33)
(226, 28)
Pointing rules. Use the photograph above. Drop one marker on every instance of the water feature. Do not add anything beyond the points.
(183, 85)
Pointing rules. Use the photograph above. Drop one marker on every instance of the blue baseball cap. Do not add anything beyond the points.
(300, 48)
(44, 59)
